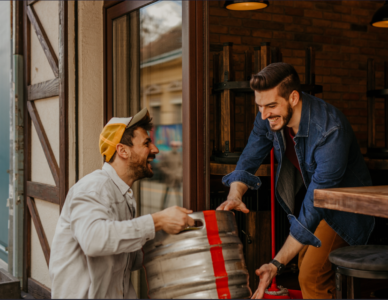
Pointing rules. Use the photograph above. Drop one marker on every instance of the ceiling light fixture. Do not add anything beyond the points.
(246, 5)
(380, 18)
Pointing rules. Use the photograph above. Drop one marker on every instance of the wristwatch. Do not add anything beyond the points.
(279, 266)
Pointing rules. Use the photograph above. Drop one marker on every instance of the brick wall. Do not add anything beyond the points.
(340, 33)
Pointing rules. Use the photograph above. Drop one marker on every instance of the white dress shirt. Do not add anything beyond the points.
(97, 240)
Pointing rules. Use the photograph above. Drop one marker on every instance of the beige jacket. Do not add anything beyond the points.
(97, 240)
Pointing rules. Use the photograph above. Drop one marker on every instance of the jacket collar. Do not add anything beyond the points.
(123, 187)
(304, 124)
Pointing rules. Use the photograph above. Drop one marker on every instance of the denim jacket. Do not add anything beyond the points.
(329, 157)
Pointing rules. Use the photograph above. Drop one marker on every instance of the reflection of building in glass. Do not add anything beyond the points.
(161, 77)
(171, 167)
(161, 93)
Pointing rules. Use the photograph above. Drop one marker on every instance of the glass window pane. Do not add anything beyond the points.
(161, 93)
(147, 72)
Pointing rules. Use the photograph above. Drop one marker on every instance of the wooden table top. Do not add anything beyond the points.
(367, 200)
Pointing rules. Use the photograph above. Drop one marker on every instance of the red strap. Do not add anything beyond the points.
(223, 288)
(217, 256)
(218, 261)
(212, 227)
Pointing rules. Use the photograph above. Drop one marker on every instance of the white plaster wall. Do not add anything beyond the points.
(90, 80)
(49, 215)
(48, 110)
(48, 14)
(90, 43)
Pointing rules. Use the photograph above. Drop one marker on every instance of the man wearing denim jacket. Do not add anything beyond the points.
(315, 146)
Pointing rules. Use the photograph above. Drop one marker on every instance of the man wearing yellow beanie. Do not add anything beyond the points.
(98, 240)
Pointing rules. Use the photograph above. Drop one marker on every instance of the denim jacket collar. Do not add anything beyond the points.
(304, 124)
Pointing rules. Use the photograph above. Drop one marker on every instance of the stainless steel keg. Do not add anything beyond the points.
(204, 262)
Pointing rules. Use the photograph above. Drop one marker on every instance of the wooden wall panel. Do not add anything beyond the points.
(43, 191)
(57, 59)
(39, 228)
(46, 89)
(43, 39)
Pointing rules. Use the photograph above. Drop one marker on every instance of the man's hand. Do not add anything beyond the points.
(234, 200)
(235, 204)
(173, 219)
(266, 273)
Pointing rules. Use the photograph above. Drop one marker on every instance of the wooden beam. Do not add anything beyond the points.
(46, 89)
(227, 103)
(200, 103)
(371, 104)
(19, 27)
(38, 290)
(44, 141)
(63, 105)
(216, 120)
(43, 191)
(227, 62)
(227, 118)
(189, 106)
(31, 2)
(27, 149)
(265, 54)
(44, 41)
(39, 228)
(109, 3)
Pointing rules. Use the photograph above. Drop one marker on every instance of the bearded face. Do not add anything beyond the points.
(274, 108)
(284, 119)
(138, 157)
(140, 165)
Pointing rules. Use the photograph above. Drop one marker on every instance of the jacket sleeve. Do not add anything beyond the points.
(99, 235)
(258, 147)
(331, 158)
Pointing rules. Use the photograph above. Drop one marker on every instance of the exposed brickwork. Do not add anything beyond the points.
(340, 33)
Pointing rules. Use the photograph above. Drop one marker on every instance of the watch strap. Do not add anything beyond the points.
(278, 265)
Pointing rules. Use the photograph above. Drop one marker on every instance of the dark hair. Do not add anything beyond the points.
(279, 74)
(129, 133)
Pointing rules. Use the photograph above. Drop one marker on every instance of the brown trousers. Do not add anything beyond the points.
(316, 278)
